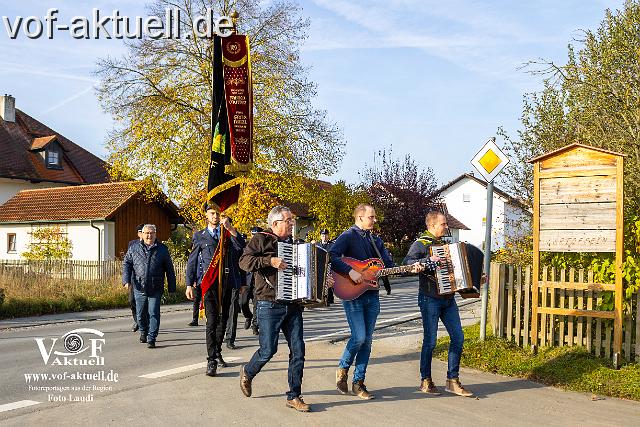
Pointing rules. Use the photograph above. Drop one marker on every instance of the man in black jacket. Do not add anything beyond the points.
(204, 245)
(132, 297)
(261, 257)
(434, 307)
(325, 244)
(145, 266)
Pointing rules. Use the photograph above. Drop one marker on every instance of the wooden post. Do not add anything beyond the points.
(617, 328)
(536, 256)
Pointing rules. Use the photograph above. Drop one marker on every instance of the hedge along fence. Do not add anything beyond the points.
(510, 299)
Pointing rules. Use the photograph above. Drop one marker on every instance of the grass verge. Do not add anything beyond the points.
(569, 368)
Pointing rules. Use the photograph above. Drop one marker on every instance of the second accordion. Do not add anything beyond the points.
(304, 279)
(459, 268)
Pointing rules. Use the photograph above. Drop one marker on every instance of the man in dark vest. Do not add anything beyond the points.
(434, 307)
(204, 245)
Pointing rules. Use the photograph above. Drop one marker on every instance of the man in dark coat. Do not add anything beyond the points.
(145, 266)
(132, 298)
(204, 245)
(325, 244)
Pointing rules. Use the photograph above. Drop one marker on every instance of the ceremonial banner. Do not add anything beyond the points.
(239, 101)
(223, 189)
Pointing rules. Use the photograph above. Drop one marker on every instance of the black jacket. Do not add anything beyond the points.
(145, 268)
(256, 258)
(203, 247)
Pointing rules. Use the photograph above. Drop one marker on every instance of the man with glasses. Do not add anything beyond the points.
(261, 257)
(144, 267)
(362, 312)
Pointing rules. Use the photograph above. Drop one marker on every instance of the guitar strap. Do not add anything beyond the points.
(385, 279)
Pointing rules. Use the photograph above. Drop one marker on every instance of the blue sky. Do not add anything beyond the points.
(434, 79)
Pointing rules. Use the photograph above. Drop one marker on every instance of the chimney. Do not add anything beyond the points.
(8, 108)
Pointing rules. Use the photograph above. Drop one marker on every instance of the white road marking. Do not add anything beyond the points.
(17, 405)
(181, 369)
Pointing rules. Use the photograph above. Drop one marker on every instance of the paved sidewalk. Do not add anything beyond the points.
(192, 399)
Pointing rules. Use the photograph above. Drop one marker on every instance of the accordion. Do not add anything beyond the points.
(459, 270)
(304, 279)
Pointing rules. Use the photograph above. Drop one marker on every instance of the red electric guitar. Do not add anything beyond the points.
(371, 269)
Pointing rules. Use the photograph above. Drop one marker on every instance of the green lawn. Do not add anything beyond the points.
(570, 368)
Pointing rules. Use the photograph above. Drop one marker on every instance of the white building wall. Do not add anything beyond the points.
(10, 187)
(466, 200)
(83, 237)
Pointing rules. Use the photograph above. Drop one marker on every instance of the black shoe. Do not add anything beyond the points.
(212, 367)
(193, 323)
(143, 337)
(221, 361)
(135, 327)
(247, 323)
(151, 344)
(231, 346)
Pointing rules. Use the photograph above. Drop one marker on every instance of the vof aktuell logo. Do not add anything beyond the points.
(80, 347)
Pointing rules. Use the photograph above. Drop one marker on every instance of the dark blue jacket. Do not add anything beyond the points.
(355, 243)
(202, 249)
(145, 268)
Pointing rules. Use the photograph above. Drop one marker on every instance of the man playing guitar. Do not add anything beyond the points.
(361, 312)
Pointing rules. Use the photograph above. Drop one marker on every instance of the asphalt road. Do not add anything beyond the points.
(167, 385)
(178, 346)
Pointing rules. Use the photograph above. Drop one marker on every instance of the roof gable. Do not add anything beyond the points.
(19, 138)
(510, 199)
(573, 147)
(83, 202)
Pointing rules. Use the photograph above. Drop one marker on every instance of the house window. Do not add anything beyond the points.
(466, 197)
(53, 158)
(11, 243)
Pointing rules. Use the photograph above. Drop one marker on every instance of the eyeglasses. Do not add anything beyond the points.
(288, 220)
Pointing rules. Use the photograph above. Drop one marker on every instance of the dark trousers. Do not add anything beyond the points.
(274, 317)
(216, 321)
(197, 297)
(132, 304)
(234, 310)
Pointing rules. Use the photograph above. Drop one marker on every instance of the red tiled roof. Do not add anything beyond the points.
(82, 202)
(16, 161)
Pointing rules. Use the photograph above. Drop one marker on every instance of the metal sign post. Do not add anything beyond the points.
(489, 161)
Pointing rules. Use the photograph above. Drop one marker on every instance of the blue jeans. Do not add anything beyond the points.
(274, 317)
(446, 310)
(149, 323)
(362, 314)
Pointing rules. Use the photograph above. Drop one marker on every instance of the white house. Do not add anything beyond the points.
(99, 219)
(33, 155)
(466, 199)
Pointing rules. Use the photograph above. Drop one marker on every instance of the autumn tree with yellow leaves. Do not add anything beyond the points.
(159, 95)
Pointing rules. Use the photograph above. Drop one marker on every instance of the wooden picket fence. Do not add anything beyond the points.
(510, 315)
(71, 270)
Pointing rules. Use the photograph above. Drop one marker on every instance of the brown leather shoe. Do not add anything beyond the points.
(342, 374)
(427, 386)
(298, 404)
(245, 382)
(454, 386)
(360, 390)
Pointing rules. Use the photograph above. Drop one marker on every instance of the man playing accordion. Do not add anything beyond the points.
(434, 306)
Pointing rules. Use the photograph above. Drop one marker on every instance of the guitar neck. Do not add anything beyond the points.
(394, 270)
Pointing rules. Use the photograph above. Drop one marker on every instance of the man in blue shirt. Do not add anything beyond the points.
(362, 312)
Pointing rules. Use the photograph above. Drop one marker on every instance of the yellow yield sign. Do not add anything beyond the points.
(490, 160)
